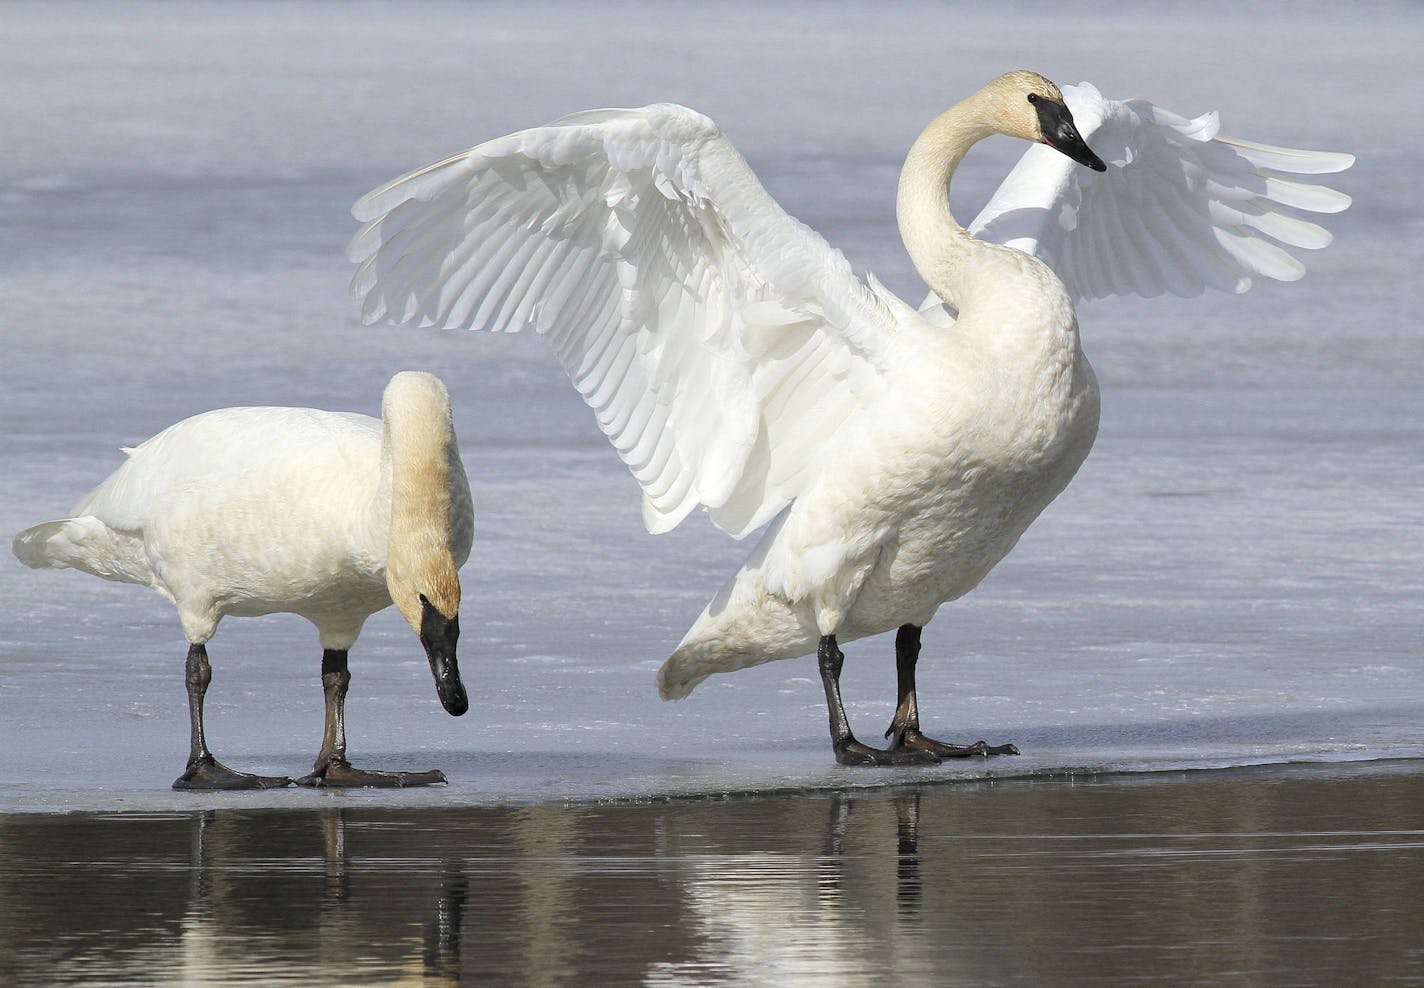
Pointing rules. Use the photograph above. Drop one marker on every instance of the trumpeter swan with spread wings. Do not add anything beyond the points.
(330, 515)
(737, 364)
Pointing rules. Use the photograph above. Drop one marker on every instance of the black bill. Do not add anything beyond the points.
(1061, 134)
(438, 634)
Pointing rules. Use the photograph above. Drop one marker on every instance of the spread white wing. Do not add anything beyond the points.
(719, 341)
(1179, 210)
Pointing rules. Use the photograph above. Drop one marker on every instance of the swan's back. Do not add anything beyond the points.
(236, 453)
(239, 504)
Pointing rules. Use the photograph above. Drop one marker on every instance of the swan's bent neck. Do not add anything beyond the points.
(419, 455)
(940, 248)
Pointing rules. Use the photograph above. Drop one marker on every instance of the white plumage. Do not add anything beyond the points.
(249, 511)
(1181, 210)
(738, 365)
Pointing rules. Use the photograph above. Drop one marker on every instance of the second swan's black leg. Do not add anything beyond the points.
(203, 770)
(848, 750)
(331, 768)
(904, 732)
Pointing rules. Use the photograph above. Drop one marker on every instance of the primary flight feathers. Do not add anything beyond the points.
(1180, 209)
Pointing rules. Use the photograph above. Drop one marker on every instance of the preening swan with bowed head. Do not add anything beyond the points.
(893, 455)
(330, 515)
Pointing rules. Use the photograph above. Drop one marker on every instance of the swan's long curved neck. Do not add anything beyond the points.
(418, 455)
(940, 248)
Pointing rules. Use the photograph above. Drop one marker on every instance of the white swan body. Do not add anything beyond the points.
(737, 364)
(249, 511)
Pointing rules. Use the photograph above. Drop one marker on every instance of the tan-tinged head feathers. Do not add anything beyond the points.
(429, 497)
(1010, 110)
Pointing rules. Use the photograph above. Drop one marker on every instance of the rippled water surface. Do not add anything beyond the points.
(1305, 876)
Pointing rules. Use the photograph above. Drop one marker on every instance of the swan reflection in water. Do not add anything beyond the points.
(1068, 881)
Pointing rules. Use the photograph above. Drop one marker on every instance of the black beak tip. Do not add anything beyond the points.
(1078, 151)
(438, 635)
(1060, 133)
(452, 695)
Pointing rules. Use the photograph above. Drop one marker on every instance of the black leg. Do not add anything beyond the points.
(848, 750)
(203, 770)
(331, 768)
(904, 732)
(197, 674)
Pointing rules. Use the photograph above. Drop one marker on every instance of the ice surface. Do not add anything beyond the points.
(1235, 576)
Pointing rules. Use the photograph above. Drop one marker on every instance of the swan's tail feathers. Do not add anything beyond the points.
(736, 634)
(44, 546)
(693, 662)
(676, 678)
(83, 543)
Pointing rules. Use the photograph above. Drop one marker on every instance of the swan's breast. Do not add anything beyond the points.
(1006, 437)
(929, 488)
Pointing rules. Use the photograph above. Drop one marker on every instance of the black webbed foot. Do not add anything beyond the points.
(209, 774)
(339, 774)
(910, 739)
(853, 752)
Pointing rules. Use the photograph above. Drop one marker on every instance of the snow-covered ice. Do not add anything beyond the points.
(1234, 577)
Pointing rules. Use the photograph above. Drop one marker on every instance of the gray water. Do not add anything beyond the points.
(1233, 580)
(1301, 877)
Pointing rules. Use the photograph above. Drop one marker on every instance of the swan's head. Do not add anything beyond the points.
(422, 574)
(425, 587)
(1028, 106)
